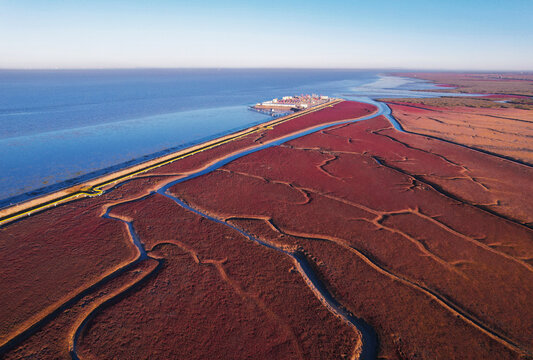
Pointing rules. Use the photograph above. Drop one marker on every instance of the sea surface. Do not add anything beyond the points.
(59, 128)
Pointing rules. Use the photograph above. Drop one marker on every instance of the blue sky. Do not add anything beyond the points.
(432, 34)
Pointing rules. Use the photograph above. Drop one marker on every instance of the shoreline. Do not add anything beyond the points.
(77, 180)
(96, 186)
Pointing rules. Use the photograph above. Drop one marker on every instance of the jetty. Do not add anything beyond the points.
(290, 104)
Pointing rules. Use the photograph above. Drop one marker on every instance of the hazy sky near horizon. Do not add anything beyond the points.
(467, 34)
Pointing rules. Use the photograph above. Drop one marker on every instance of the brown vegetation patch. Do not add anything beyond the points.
(491, 101)
(504, 131)
(486, 83)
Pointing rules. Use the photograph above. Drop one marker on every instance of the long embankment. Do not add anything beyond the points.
(98, 185)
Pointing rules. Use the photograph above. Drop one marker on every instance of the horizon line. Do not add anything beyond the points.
(395, 69)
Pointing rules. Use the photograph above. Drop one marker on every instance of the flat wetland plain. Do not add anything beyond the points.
(355, 240)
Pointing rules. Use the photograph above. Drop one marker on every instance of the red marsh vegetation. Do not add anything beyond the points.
(427, 243)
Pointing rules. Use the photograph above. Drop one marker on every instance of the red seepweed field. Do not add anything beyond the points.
(355, 241)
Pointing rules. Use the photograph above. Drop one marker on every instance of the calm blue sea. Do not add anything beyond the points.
(58, 128)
